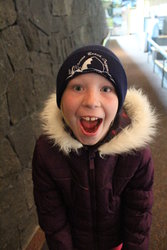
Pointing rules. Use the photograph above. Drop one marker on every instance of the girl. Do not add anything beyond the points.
(92, 167)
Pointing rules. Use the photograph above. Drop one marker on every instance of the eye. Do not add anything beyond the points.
(107, 89)
(77, 88)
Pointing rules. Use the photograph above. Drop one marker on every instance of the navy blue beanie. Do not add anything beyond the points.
(97, 59)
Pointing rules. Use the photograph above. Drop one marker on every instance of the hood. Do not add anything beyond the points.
(135, 136)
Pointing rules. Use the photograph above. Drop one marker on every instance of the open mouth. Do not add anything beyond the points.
(90, 124)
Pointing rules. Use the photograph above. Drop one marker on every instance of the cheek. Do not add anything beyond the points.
(115, 105)
(68, 107)
(112, 106)
(66, 102)
(111, 112)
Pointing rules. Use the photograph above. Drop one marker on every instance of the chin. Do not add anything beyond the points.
(89, 142)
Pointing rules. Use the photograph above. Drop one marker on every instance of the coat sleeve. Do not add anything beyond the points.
(50, 208)
(137, 205)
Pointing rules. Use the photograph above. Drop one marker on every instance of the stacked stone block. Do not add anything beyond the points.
(35, 37)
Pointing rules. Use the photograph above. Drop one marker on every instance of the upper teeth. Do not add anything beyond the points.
(90, 118)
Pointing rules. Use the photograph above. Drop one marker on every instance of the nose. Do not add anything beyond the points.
(91, 99)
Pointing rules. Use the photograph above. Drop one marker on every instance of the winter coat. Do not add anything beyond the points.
(96, 197)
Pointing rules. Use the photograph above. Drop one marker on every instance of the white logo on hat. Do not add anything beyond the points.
(91, 62)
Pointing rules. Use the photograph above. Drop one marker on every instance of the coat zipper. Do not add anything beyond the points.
(92, 182)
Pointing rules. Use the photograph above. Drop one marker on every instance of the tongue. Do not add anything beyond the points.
(90, 126)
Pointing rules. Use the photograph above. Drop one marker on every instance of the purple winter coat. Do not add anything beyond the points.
(94, 198)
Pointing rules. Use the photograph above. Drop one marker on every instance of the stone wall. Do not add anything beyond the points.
(35, 37)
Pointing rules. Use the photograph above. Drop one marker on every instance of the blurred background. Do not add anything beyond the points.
(135, 17)
(35, 38)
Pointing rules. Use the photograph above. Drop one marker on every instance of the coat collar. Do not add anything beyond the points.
(134, 136)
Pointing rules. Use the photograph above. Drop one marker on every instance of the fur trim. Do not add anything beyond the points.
(135, 136)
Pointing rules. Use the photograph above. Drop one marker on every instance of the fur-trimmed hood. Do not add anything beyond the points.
(133, 137)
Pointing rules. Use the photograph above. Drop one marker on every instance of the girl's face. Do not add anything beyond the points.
(89, 105)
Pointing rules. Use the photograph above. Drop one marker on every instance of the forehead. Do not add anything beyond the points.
(90, 78)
